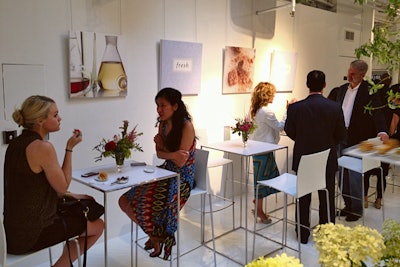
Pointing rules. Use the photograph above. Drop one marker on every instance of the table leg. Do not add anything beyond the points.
(105, 229)
(178, 215)
(241, 192)
(246, 202)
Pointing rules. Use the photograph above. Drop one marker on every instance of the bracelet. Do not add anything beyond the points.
(66, 194)
(68, 150)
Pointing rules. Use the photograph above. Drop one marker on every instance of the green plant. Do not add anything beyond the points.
(385, 46)
(393, 98)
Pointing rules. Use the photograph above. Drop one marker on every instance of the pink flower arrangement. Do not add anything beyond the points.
(244, 126)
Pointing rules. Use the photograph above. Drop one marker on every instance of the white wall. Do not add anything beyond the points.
(35, 32)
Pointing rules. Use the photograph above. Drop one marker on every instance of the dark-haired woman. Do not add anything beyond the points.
(153, 206)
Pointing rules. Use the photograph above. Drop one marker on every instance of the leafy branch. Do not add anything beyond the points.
(385, 46)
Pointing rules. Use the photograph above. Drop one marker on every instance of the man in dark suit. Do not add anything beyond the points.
(316, 124)
(361, 125)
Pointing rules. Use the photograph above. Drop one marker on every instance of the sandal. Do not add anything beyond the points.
(157, 251)
(266, 220)
(148, 245)
(378, 203)
(366, 202)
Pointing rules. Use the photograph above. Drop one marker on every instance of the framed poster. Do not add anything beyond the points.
(180, 66)
(238, 70)
(283, 70)
(96, 68)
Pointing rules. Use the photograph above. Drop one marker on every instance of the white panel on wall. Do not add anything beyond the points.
(243, 15)
(349, 40)
(283, 70)
(21, 81)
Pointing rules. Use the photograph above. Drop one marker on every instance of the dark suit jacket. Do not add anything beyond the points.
(363, 125)
(315, 124)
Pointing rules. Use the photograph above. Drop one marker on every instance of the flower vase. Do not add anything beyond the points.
(119, 160)
(245, 138)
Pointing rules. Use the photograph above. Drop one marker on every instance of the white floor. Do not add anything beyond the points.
(233, 243)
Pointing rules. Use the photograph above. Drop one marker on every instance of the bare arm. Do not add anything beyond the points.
(42, 156)
(180, 156)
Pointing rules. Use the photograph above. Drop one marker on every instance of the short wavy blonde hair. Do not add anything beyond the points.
(261, 96)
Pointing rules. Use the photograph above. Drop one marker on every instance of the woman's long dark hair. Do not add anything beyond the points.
(174, 137)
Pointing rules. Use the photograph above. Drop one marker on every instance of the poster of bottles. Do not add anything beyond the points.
(96, 68)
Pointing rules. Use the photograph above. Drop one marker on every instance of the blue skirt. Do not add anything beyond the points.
(265, 168)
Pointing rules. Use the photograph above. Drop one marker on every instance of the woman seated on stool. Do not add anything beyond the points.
(379, 189)
(34, 181)
(153, 206)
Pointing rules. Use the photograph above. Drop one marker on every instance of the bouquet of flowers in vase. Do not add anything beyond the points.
(340, 245)
(277, 261)
(121, 143)
(244, 127)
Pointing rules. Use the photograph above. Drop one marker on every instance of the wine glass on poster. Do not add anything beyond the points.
(80, 77)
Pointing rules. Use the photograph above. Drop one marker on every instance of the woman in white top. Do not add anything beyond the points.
(268, 130)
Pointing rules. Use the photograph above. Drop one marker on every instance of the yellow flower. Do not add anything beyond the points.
(342, 246)
(278, 261)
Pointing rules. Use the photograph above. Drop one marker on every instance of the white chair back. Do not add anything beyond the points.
(157, 161)
(3, 244)
(200, 173)
(202, 137)
(312, 172)
(369, 164)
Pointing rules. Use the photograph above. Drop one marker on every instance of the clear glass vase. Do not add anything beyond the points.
(119, 160)
(245, 138)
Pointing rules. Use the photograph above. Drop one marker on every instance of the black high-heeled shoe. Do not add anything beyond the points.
(156, 253)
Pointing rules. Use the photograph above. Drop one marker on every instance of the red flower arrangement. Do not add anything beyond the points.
(123, 143)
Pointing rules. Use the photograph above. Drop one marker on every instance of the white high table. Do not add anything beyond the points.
(137, 175)
(252, 148)
(389, 157)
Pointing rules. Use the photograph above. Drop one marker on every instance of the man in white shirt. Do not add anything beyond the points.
(360, 125)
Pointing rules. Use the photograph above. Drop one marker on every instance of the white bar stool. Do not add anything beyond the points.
(361, 166)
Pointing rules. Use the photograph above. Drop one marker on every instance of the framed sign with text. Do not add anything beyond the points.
(180, 66)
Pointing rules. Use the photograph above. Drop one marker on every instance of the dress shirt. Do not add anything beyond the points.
(348, 103)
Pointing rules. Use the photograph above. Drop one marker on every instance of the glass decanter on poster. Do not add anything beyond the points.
(112, 74)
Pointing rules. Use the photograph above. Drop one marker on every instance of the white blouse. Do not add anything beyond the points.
(268, 127)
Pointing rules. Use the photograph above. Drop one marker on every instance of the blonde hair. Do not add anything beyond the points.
(261, 96)
(33, 109)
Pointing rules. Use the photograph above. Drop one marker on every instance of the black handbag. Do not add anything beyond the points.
(87, 208)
